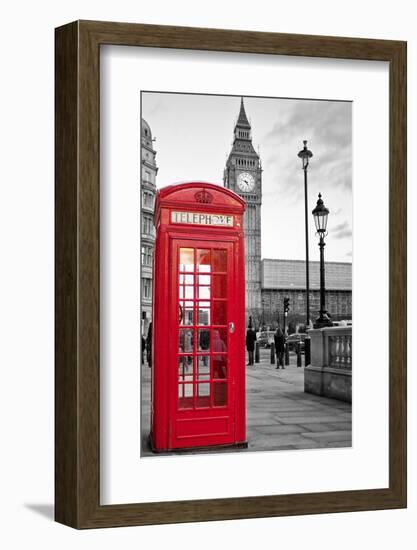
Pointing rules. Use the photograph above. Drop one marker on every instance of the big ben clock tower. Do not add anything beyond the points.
(243, 175)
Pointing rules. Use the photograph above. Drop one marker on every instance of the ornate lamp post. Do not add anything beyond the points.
(305, 155)
(320, 214)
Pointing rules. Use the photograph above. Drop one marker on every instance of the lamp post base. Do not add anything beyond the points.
(323, 321)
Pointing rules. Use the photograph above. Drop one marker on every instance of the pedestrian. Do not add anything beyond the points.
(143, 349)
(279, 347)
(250, 343)
(149, 345)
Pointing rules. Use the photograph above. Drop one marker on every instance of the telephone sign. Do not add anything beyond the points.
(199, 218)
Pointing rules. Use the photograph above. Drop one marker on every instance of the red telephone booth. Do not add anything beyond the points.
(198, 376)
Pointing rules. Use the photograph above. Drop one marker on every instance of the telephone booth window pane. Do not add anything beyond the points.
(219, 394)
(204, 279)
(203, 340)
(185, 396)
(203, 367)
(189, 292)
(186, 340)
(204, 292)
(219, 260)
(203, 389)
(186, 314)
(185, 368)
(186, 259)
(203, 395)
(186, 292)
(204, 313)
(203, 261)
(219, 313)
(219, 286)
(219, 367)
(186, 279)
(219, 340)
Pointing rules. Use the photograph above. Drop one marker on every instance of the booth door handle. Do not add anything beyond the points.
(231, 327)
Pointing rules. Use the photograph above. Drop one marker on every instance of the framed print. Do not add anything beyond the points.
(230, 274)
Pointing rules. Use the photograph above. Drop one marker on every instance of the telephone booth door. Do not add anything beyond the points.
(202, 393)
(198, 319)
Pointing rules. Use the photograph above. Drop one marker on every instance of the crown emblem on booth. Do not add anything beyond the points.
(204, 197)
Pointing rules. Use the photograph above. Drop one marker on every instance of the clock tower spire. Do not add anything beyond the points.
(243, 175)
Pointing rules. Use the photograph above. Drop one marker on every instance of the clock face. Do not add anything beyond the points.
(245, 182)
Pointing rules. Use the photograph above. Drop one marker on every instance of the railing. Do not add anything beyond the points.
(332, 347)
(330, 371)
(340, 351)
(338, 345)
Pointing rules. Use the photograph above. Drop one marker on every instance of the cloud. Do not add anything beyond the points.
(328, 121)
(341, 231)
(327, 125)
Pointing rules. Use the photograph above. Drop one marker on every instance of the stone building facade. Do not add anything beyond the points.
(286, 279)
(149, 170)
(243, 175)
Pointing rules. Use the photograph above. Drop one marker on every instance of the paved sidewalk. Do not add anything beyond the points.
(279, 414)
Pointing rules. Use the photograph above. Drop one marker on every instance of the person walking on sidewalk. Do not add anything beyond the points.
(149, 345)
(279, 347)
(250, 343)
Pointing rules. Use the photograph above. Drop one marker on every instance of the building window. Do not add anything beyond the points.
(147, 178)
(147, 226)
(147, 288)
(147, 253)
(148, 199)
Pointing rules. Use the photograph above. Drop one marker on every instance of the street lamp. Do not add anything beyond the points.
(305, 155)
(320, 214)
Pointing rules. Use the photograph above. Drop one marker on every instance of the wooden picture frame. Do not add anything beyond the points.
(77, 404)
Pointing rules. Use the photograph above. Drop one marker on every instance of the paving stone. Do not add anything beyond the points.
(261, 421)
(320, 427)
(284, 439)
(328, 436)
(346, 426)
(323, 445)
(275, 429)
(306, 419)
(297, 411)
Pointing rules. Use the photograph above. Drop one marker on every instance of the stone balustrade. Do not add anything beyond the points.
(339, 346)
(330, 372)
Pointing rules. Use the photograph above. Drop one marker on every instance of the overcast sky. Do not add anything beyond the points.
(194, 136)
